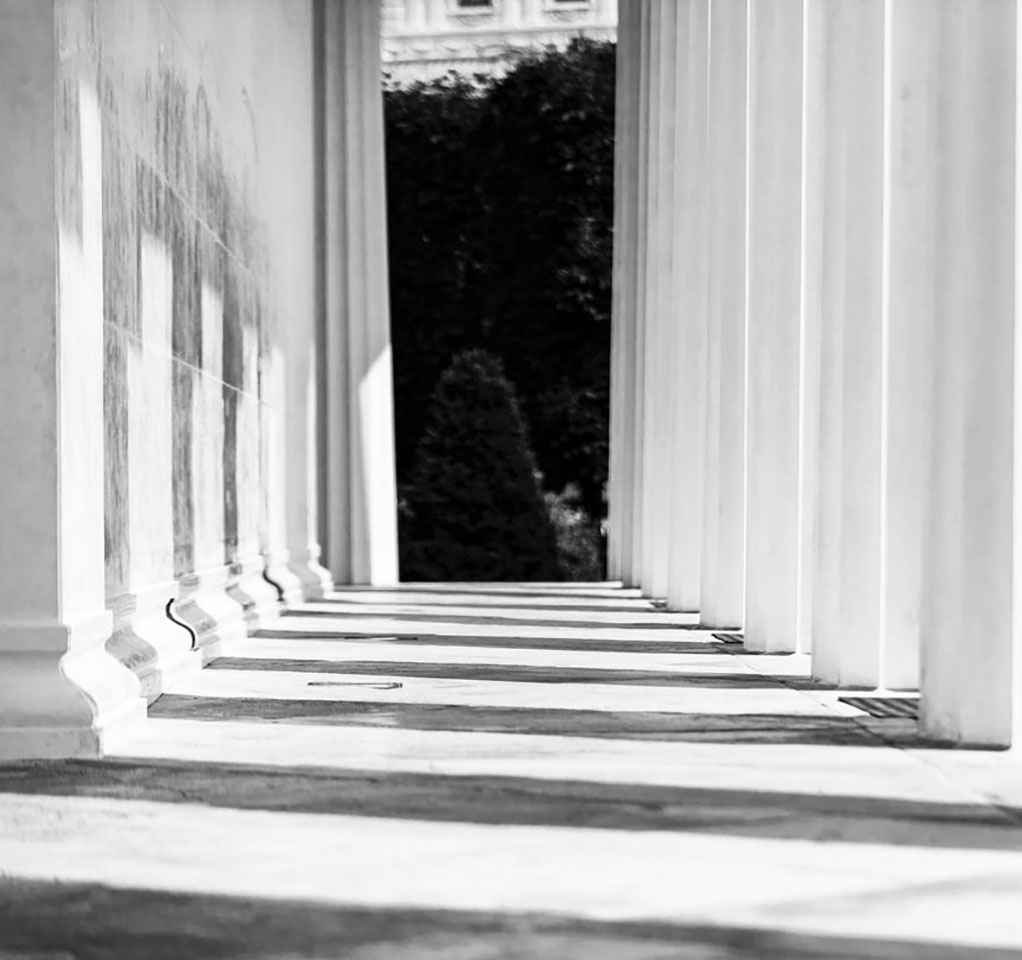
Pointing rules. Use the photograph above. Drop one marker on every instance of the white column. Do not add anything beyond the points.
(908, 330)
(644, 70)
(621, 491)
(361, 497)
(61, 694)
(810, 348)
(296, 271)
(845, 145)
(723, 556)
(688, 359)
(659, 309)
(970, 672)
(773, 331)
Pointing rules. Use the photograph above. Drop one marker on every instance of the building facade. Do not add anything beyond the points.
(426, 39)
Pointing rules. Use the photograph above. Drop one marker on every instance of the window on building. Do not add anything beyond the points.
(475, 3)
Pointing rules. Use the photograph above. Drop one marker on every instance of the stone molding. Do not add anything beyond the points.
(61, 693)
(148, 642)
(208, 609)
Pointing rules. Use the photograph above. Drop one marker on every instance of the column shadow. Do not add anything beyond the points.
(94, 922)
(528, 801)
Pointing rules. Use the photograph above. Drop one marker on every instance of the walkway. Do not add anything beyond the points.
(523, 771)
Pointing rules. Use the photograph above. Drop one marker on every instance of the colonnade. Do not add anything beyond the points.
(195, 367)
(813, 431)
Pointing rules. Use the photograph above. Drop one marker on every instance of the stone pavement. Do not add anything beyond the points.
(510, 772)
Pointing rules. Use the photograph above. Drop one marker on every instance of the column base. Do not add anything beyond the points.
(956, 727)
(316, 580)
(721, 625)
(299, 577)
(216, 621)
(286, 581)
(148, 642)
(259, 599)
(61, 693)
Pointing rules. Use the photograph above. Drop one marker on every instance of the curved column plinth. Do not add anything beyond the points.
(61, 693)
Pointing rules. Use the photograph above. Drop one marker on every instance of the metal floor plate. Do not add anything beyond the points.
(903, 708)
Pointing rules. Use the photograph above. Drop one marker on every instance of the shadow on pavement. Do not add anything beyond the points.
(503, 800)
(91, 922)
(506, 603)
(580, 644)
(494, 620)
(504, 673)
(652, 726)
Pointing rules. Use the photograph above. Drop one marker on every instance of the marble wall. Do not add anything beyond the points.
(206, 120)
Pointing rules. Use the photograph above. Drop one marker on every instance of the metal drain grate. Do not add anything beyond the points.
(729, 637)
(902, 708)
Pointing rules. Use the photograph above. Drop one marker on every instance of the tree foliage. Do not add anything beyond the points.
(473, 509)
(500, 198)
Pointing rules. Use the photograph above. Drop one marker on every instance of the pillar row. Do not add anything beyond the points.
(876, 342)
(659, 332)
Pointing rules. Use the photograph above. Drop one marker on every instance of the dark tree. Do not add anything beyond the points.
(474, 509)
(500, 201)
(548, 135)
(434, 209)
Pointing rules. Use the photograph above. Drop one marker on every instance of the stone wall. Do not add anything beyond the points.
(201, 119)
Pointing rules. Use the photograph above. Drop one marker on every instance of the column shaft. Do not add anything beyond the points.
(621, 493)
(643, 66)
(908, 331)
(845, 139)
(660, 310)
(688, 362)
(970, 655)
(774, 304)
(61, 694)
(361, 488)
(723, 551)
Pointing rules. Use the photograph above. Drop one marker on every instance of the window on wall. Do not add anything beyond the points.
(475, 3)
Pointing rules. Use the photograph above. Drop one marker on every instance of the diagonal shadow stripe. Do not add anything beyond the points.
(495, 620)
(503, 673)
(497, 800)
(482, 591)
(95, 922)
(436, 606)
(587, 724)
(596, 645)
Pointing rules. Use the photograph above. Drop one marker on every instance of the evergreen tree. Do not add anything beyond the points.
(474, 509)
(501, 205)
